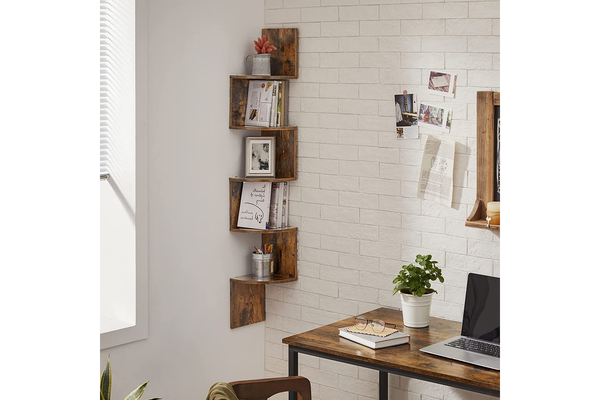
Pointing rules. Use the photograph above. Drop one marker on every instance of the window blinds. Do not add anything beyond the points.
(117, 80)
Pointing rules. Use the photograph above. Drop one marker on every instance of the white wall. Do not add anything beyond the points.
(192, 48)
(354, 202)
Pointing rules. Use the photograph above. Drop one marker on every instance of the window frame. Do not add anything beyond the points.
(139, 331)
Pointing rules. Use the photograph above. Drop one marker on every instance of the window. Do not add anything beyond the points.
(123, 274)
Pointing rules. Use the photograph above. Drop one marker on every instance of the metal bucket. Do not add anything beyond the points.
(261, 266)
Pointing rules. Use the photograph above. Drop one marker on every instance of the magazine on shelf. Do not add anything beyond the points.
(274, 209)
(274, 97)
(284, 206)
(259, 103)
(255, 205)
(375, 342)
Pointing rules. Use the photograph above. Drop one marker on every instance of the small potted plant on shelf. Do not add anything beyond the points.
(261, 61)
(414, 284)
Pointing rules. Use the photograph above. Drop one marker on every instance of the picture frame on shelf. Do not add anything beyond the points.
(260, 157)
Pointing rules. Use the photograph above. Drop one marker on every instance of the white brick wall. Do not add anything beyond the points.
(354, 202)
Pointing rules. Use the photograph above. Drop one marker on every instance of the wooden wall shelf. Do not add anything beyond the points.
(238, 100)
(486, 101)
(261, 77)
(247, 295)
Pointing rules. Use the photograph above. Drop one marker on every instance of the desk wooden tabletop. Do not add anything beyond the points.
(406, 357)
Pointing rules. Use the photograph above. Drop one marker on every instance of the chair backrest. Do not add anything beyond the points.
(262, 389)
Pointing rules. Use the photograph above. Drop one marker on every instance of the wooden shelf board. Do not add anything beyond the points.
(264, 77)
(263, 179)
(482, 224)
(274, 280)
(263, 128)
(486, 101)
(248, 230)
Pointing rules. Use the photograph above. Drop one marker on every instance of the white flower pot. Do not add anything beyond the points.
(415, 310)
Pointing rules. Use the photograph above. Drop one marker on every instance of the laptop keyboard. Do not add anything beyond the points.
(476, 346)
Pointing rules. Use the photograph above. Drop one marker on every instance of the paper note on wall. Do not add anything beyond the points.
(437, 170)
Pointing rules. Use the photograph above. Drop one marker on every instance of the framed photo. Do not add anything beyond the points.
(260, 157)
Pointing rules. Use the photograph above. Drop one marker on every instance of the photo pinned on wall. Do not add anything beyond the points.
(448, 124)
(442, 83)
(406, 116)
(434, 117)
(260, 157)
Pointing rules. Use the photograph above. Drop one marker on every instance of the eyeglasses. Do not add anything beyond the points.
(378, 325)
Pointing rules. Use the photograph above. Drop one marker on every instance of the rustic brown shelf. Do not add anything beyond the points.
(274, 279)
(247, 295)
(248, 230)
(262, 77)
(486, 101)
(238, 99)
(240, 179)
(262, 128)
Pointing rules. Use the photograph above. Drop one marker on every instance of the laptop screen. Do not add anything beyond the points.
(481, 318)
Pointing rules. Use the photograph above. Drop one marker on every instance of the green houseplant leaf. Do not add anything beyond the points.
(106, 381)
(137, 392)
(416, 279)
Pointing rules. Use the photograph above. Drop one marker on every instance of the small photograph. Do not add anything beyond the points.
(449, 121)
(406, 116)
(431, 116)
(442, 83)
(260, 156)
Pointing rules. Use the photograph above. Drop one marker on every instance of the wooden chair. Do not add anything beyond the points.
(261, 389)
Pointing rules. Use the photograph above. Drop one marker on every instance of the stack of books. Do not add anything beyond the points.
(375, 342)
(278, 215)
(264, 106)
(264, 205)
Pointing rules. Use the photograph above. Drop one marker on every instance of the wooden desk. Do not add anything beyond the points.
(405, 360)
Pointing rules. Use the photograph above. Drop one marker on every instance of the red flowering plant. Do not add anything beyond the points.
(262, 46)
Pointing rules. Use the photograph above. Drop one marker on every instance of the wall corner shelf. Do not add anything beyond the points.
(247, 295)
(486, 103)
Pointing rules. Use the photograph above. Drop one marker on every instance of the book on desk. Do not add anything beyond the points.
(375, 342)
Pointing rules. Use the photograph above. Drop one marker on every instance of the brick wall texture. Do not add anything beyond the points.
(355, 199)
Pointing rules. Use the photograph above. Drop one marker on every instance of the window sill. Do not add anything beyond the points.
(108, 324)
(115, 333)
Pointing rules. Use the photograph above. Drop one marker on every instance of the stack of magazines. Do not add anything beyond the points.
(264, 104)
(278, 213)
(264, 205)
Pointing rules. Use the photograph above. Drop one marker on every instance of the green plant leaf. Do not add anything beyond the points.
(106, 381)
(416, 278)
(137, 393)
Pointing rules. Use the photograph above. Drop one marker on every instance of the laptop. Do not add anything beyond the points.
(479, 340)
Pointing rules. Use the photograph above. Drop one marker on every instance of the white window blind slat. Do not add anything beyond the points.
(117, 80)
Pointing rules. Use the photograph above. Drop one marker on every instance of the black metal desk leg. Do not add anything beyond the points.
(383, 385)
(293, 369)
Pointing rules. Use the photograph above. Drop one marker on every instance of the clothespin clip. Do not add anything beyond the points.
(488, 219)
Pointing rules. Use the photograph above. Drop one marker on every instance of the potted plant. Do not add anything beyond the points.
(261, 61)
(414, 284)
(106, 386)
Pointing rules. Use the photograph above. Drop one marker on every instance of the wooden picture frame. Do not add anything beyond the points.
(260, 157)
